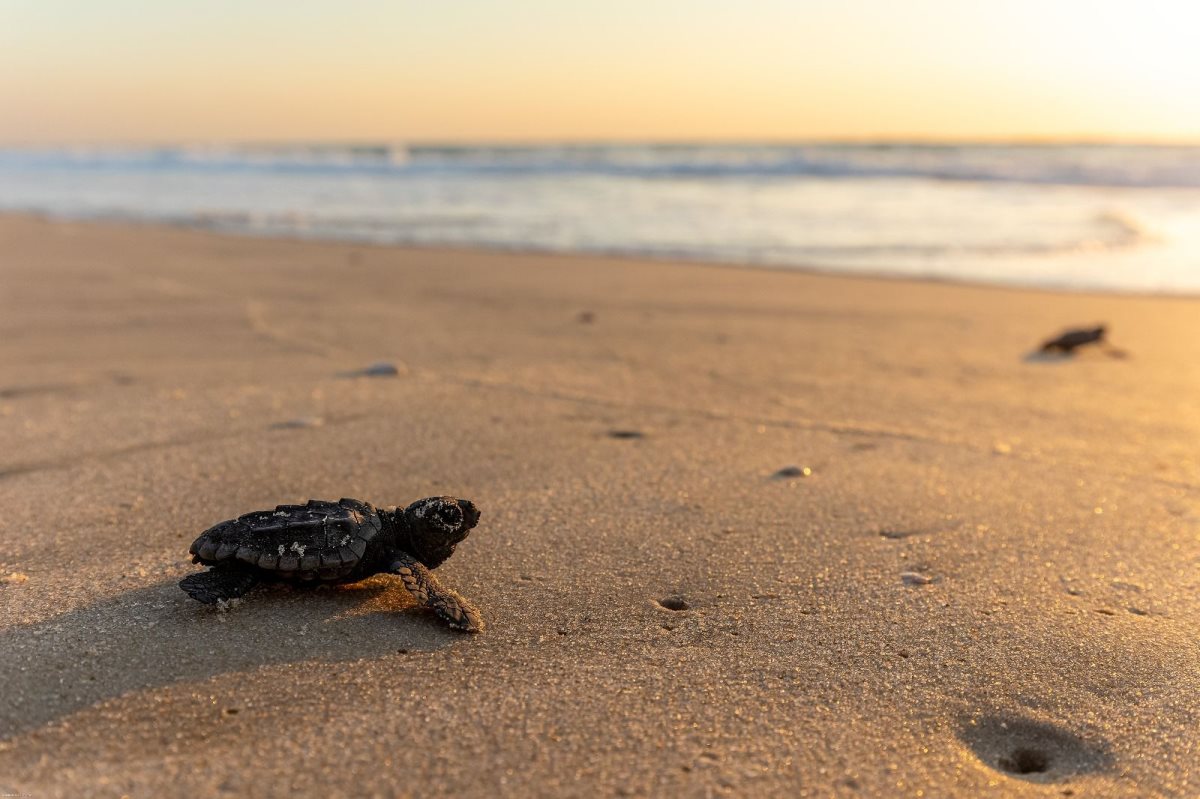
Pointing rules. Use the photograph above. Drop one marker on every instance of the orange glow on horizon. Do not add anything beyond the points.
(929, 69)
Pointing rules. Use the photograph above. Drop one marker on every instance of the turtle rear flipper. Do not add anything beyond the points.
(218, 584)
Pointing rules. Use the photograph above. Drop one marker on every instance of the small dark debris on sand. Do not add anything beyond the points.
(788, 472)
(626, 434)
(299, 423)
(586, 317)
(13, 392)
(381, 369)
(1067, 584)
(674, 603)
(377, 369)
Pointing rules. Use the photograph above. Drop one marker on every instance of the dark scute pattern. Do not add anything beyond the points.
(324, 539)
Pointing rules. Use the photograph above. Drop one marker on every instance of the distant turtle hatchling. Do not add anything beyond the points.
(338, 542)
(1070, 340)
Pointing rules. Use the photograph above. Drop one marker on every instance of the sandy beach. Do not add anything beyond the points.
(980, 581)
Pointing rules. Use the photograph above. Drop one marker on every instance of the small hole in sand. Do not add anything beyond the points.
(674, 603)
(1033, 749)
(1025, 761)
(231, 711)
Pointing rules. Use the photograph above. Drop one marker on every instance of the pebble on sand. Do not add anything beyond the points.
(381, 369)
(675, 603)
(788, 472)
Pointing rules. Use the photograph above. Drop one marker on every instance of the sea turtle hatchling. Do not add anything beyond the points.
(338, 542)
(1068, 341)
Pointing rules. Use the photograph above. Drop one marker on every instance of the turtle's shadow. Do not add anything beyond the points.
(1041, 356)
(153, 637)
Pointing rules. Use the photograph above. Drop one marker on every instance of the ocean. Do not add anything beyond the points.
(1094, 217)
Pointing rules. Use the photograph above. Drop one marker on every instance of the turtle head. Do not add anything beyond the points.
(436, 525)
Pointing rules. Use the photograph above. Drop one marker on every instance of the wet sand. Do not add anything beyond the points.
(979, 578)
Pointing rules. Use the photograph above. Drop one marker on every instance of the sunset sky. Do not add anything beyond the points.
(154, 71)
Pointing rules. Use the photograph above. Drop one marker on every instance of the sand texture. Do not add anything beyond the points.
(980, 565)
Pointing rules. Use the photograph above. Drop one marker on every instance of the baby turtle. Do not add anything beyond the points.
(338, 542)
(1069, 340)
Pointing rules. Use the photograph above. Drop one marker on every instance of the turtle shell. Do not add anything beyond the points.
(318, 541)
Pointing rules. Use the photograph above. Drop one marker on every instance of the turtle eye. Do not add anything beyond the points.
(448, 516)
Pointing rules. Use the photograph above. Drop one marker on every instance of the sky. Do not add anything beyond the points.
(164, 71)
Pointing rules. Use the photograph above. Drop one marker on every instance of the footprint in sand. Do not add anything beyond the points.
(1032, 750)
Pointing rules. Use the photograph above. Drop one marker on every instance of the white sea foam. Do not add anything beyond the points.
(1123, 217)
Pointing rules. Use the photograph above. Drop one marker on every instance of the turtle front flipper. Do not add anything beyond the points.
(454, 609)
(222, 583)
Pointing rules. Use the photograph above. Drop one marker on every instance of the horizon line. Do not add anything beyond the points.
(617, 141)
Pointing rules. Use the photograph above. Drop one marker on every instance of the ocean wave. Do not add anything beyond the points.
(889, 208)
(1111, 231)
(1123, 229)
(1079, 165)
